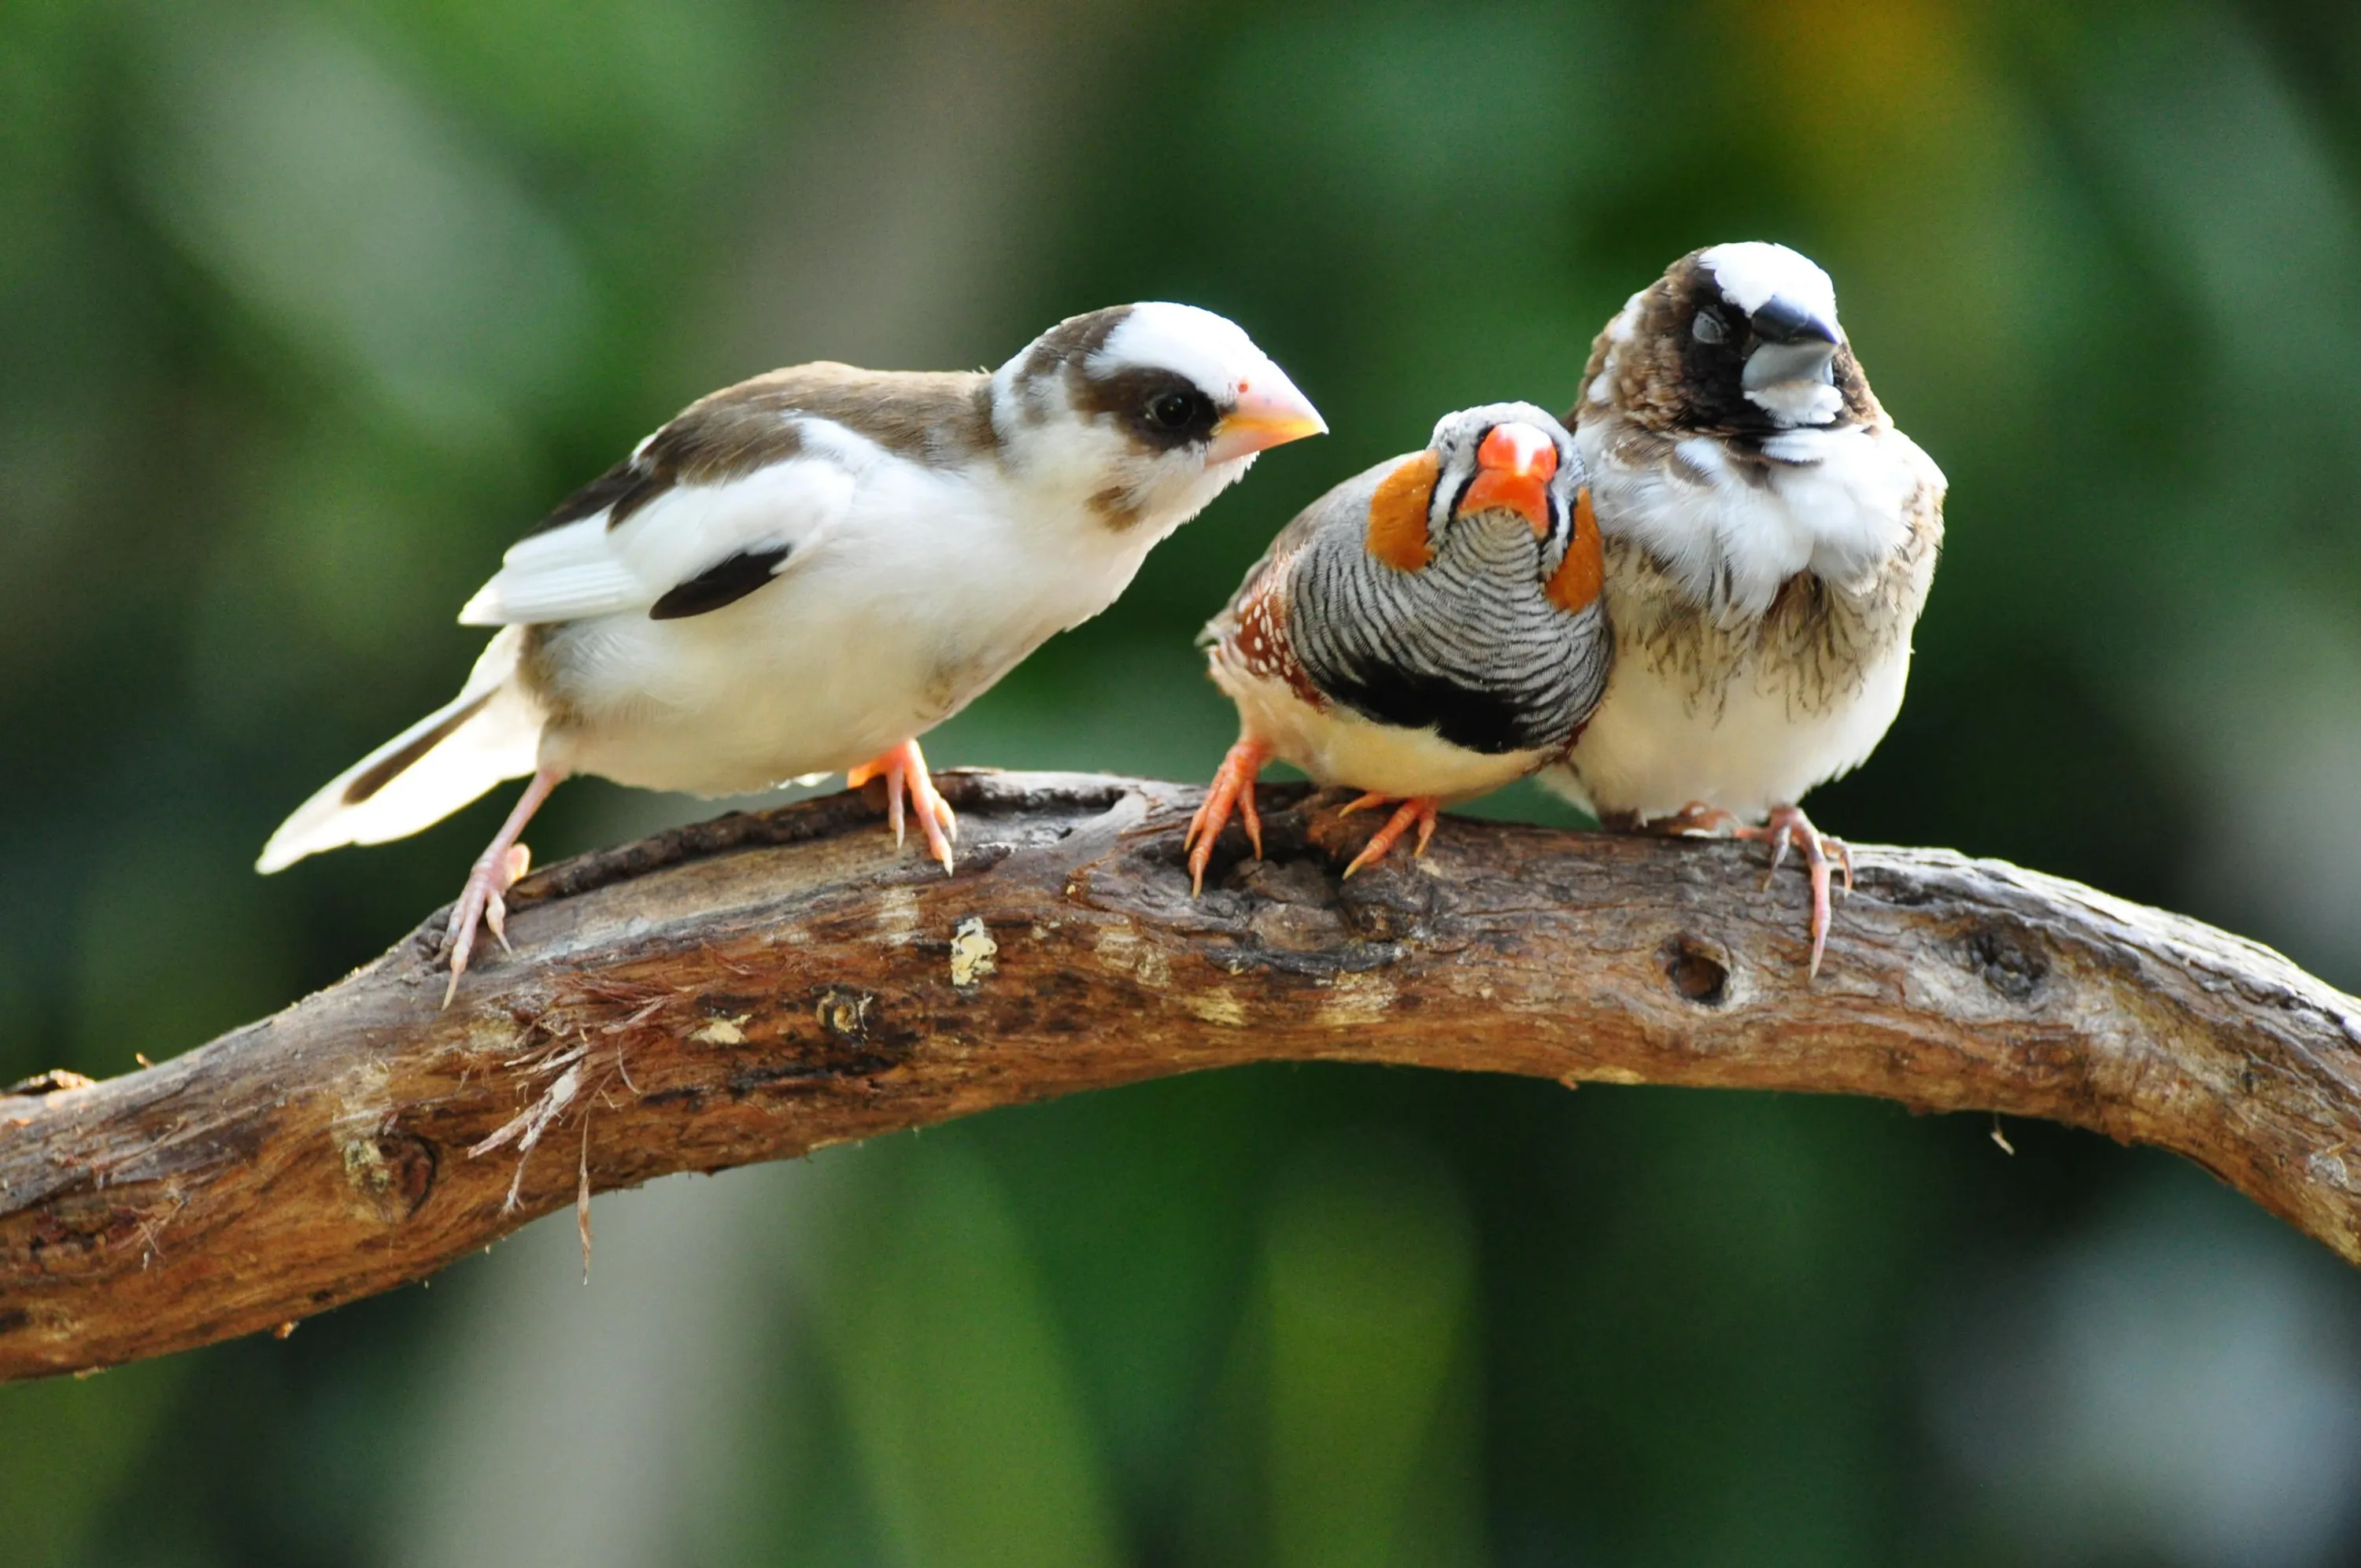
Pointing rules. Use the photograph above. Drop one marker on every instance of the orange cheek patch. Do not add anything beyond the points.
(1398, 513)
(1574, 584)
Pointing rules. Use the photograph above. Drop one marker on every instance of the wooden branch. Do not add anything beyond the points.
(759, 986)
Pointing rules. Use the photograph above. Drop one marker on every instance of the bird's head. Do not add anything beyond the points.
(1506, 462)
(1734, 338)
(1151, 409)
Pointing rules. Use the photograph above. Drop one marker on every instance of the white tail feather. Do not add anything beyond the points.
(500, 739)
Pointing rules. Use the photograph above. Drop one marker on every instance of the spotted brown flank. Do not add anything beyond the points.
(1260, 639)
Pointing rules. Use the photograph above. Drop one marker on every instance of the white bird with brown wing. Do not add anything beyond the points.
(1769, 539)
(803, 573)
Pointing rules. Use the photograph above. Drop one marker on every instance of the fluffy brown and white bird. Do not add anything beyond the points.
(1769, 539)
(1425, 632)
(803, 573)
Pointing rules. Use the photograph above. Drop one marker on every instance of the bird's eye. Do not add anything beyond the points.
(1176, 410)
(1709, 327)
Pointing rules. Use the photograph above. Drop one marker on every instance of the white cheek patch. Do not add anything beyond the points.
(1799, 402)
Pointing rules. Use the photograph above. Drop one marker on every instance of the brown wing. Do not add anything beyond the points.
(921, 414)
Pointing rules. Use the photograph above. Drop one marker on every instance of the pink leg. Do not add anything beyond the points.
(496, 871)
(1788, 825)
(904, 769)
(1233, 788)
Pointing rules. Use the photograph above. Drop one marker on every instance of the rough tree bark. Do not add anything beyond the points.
(764, 985)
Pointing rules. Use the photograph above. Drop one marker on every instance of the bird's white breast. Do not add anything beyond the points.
(928, 588)
(1832, 502)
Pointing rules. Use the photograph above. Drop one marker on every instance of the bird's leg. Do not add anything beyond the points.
(496, 871)
(904, 768)
(1788, 825)
(1233, 788)
(1419, 810)
(1697, 819)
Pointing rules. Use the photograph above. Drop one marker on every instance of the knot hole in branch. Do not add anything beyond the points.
(1698, 970)
(2006, 961)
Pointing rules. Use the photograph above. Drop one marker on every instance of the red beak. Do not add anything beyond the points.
(1514, 466)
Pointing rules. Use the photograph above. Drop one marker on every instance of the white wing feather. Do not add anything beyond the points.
(587, 568)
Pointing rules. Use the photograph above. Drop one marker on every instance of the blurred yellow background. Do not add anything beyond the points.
(306, 311)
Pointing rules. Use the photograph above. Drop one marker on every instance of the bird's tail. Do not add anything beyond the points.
(490, 732)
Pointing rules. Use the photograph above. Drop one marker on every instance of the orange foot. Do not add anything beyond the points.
(1233, 788)
(1788, 825)
(904, 769)
(1418, 808)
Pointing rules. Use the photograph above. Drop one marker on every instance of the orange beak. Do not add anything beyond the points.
(1513, 469)
(1268, 412)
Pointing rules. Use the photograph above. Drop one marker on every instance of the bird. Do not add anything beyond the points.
(1770, 537)
(1427, 630)
(801, 574)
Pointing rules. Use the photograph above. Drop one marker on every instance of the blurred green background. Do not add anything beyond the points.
(307, 311)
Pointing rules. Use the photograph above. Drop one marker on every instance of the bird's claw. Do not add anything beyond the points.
(1694, 820)
(904, 769)
(1418, 811)
(1232, 789)
(482, 903)
(514, 865)
(1788, 826)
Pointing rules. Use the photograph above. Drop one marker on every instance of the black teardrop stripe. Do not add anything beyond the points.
(724, 583)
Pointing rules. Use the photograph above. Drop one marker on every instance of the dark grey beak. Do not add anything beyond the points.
(1781, 320)
(1793, 345)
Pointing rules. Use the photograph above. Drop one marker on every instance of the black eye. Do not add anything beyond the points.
(1178, 411)
(1709, 327)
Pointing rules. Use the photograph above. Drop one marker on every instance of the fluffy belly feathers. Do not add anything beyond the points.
(1657, 743)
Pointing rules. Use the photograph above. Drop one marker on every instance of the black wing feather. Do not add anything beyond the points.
(724, 583)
